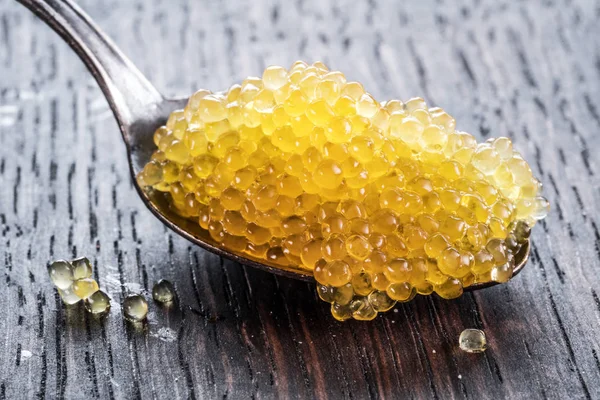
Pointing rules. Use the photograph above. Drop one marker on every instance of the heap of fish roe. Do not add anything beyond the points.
(381, 201)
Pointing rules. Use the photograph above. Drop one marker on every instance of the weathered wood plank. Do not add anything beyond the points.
(530, 71)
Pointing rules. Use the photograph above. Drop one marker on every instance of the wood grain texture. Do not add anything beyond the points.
(527, 70)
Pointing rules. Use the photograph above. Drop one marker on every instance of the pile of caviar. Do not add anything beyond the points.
(74, 282)
(304, 169)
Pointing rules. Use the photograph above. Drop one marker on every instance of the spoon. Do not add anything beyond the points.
(140, 109)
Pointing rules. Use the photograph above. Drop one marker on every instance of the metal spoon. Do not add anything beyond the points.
(140, 109)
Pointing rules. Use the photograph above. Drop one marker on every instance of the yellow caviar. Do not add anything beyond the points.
(74, 282)
(381, 201)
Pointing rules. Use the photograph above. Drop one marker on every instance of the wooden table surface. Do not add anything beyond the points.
(527, 70)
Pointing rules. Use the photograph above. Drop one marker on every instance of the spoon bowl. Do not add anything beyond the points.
(140, 109)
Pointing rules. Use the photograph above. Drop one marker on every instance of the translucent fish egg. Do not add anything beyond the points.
(97, 303)
(163, 291)
(82, 268)
(135, 308)
(61, 274)
(68, 296)
(472, 341)
(85, 287)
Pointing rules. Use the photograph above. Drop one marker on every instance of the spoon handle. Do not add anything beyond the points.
(128, 92)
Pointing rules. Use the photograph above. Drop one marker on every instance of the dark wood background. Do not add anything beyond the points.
(527, 70)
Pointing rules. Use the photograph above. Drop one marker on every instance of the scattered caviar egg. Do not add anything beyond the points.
(61, 274)
(135, 308)
(82, 268)
(98, 303)
(68, 296)
(85, 287)
(301, 169)
(472, 341)
(163, 291)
